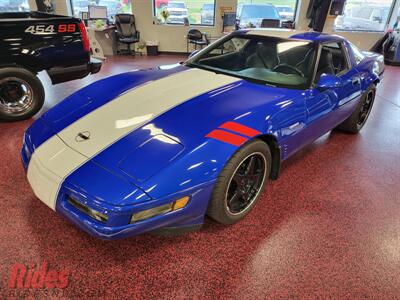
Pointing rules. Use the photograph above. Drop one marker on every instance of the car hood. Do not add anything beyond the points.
(131, 110)
(163, 121)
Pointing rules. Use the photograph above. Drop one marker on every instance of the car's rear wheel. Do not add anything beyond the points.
(360, 116)
(240, 183)
(21, 94)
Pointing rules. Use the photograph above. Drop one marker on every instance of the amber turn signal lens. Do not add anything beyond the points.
(181, 203)
(160, 210)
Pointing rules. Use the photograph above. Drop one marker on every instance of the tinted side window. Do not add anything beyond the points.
(339, 58)
(358, 56)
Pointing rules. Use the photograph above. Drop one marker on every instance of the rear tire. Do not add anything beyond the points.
(236, 190)
(21, 94)
(360, 116)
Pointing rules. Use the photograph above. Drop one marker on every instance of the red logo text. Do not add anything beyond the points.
(37, 277)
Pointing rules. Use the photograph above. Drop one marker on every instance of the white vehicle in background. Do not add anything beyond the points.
(80, 6)
(13, 6)
(207, 14)
(177, 12)
(363, 18)
(252, 15)
(286, 12)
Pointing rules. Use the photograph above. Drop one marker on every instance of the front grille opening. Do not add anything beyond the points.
(98, 216)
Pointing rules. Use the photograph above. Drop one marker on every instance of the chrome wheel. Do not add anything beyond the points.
(366, 109)
(246, 183)
(16, 96)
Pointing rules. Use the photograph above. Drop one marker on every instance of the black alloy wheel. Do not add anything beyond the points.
(246, 183)
(366, 108)
(241, 183)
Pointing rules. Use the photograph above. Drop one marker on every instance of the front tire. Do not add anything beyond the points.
(240, 183)
(360, 116)
(21, 94)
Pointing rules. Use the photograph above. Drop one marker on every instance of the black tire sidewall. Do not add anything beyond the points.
(370, 89)
(36, 86)
(217, 208)
(351, 124)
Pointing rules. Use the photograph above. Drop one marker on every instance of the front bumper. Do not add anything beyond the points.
(118, 222)
(63, 74)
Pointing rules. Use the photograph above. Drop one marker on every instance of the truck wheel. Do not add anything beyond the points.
(360, 116)
(21, 94)
(240, 183)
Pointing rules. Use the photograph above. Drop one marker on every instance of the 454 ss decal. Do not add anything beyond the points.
(51, 29)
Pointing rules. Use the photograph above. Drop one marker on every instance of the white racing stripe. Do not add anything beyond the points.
(130, 111)
(53, 161)
(49, 165)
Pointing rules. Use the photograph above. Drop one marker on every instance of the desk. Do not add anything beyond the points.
(103, 41)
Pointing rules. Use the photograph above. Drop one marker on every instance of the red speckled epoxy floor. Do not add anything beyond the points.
(328, 228)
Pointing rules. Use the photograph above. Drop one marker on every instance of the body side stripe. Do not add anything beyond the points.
(227, 137)
(241, 129)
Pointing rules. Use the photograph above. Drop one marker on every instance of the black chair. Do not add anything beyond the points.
(326, 65)
(126, 31)
(196, 38)
(270, 23)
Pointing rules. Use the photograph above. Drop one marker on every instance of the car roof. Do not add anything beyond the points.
(312, 36)
(318, 37)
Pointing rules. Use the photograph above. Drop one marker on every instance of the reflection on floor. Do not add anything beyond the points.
(329, 227)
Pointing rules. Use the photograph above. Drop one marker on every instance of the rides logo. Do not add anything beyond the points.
(37, 277)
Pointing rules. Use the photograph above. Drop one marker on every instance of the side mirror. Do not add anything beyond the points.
(328, 81)
(193, 53)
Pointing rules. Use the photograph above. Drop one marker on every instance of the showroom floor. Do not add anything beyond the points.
(329, 227)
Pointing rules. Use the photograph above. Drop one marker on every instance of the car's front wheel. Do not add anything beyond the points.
(240, 183)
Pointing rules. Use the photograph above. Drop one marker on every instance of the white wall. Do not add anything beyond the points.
(172, 38)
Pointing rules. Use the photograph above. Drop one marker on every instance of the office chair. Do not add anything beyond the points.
(126, 31)
(270, 23)
(196, 38)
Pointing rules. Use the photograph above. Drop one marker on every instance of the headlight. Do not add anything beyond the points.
(87, 210)
(159, 210)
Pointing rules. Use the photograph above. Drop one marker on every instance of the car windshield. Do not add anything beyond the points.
(259, 12)
(267, 60)
(176, 5)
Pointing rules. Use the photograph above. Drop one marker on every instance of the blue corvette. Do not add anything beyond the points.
(160, 149)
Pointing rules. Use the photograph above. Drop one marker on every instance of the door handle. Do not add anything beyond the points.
(356, 81)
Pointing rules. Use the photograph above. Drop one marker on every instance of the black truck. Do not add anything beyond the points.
(31, 42)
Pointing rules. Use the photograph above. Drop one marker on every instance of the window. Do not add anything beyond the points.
(333, 60)
(195, 12)
(358, 55)
(265, 60)
(250, 13)
(14, 5)
(113, 6)
(369, 15)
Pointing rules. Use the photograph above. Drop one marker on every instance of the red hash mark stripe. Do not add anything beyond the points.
(227, 137)
(241, 129)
